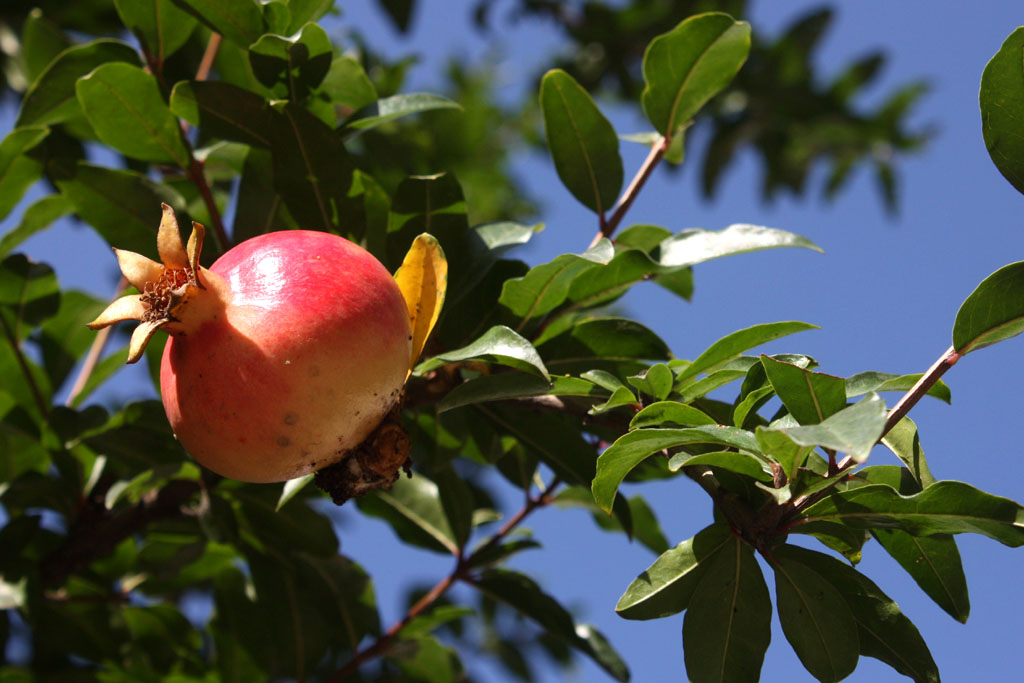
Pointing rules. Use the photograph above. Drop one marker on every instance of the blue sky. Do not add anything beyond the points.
(885, 294)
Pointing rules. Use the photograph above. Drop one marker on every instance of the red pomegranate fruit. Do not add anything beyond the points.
(284, 356)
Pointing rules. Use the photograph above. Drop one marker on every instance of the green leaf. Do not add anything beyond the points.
(608, 281)
(1002, 108)
(225, 111)
(312, 169)
(613, 344)
(810, 397)
(499, 387)
(497, 345)
(413, 508)
(934, 564)
(583, 143)
(666, 587)
(347, 84)
(124, 105)
(691, 247)
(64, 337)
(884, 632)
(905, 444)
(854, 430)
(789, 454)
(52, 98)
(397, 106)
(993, 312)
(670, 413)
(620, 397)
(631, 449)
(732, 345)
(945, 507)
(41, 41)
(656, 381)
(689, 65)
(123, 206)
(741, 463)
(546, 286)
(291, 488)
(343, 592)
(29, 294)
(259, 208)
(290, 528)
(17, 171)
(37, 217)
(239, 21)
(816, 619)
(522, 593)
(291, 67)
(457, 502)
(727, 626)
(676, 150)
(865, 382)
(160, 25)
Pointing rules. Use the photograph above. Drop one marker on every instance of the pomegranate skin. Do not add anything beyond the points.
(308, 353)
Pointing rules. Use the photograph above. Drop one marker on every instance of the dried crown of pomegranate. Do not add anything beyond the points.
(166, 288)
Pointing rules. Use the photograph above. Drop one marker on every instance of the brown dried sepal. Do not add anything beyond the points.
(373, 464)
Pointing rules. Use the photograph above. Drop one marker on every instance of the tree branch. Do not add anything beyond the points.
(927, 381)
(99, 342)
(463, 567)
(658, 150)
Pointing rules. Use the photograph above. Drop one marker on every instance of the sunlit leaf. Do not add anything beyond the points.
(423, 280)
(732, 345)
(993, 312)
(689, 65)
(1002, 109)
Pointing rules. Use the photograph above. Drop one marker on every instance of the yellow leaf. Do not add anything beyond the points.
(423, 280)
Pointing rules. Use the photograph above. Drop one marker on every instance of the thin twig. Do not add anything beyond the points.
(99, 342)
(461, 572)
(658, 150)
(206, 63)
(198, 178)
(927, 381)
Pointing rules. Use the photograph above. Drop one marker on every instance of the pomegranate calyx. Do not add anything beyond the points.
(165, 288)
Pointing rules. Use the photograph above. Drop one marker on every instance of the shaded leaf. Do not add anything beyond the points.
(934, 564)
(666, 587)
(993, 312)
(123, 206)
(689, 65)
(741, 463)
(499, 387)
(237, 20)
(613, 344)
(905, 444)
(816, 620)
(29, 294)
(416, 501)
(347, 84)
(124, 106)
(292, 66)
(1002, 109)
(160, 25)
(727, 626)
(885, 633)
(546, 286)
(225, 111)
(582, 142)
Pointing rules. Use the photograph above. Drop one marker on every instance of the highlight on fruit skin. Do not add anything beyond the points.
(287, 356)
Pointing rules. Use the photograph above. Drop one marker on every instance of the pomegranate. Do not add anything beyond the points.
(284, 356)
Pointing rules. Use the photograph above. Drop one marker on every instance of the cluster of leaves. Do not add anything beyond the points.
(777, 105)
(112, 530)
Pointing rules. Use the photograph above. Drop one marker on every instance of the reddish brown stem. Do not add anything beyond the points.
(461, 572)
(658, 150)
(99, 342)
(927, 381)
(37, 395)
(198, 178)
(206, 63)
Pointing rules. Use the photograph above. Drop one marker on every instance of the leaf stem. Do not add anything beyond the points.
(461, 572)
(658, 150)
(198, 178)
(99, 342)
(927, 381)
